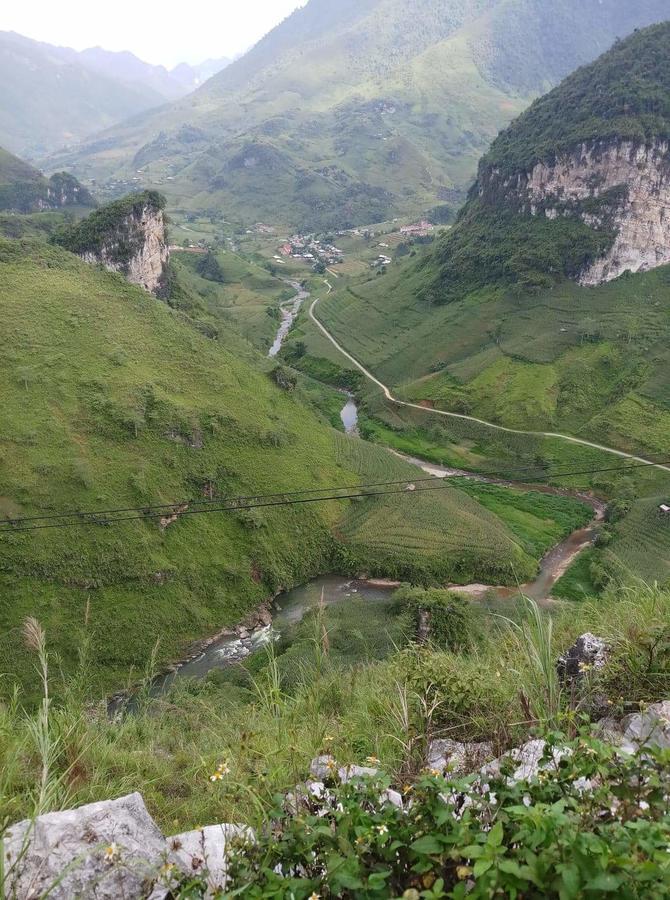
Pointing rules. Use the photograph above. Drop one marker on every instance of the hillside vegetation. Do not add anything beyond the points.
(114, 400)
(624, 95)
(352, 114)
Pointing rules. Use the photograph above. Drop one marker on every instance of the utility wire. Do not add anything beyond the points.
(209, 510)
(268, 500)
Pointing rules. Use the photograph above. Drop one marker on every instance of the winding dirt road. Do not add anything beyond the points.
(450, 415)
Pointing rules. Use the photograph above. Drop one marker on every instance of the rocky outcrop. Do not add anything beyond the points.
(109, 850)
(128, 236)
(146, 262)
(458, 757)
(589, 652)
(113, 848)
(619, 187)
(63, 190)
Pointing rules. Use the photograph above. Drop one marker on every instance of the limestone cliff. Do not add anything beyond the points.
(620, 187)
(127, 236)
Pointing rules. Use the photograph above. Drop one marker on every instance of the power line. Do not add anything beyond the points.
(16, 525)
(297, 501)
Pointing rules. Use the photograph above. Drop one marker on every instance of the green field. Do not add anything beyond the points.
(592, 362)
(113, 400)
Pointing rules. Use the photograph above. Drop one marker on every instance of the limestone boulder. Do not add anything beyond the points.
(105, 850)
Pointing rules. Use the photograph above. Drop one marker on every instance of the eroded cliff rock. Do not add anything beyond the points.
(620, 187)
(128, 236)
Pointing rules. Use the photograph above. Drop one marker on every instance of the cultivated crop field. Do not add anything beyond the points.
(592, 362)
(641, 547)
(454, 531)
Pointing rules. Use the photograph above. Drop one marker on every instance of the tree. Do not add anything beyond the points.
(209, 267)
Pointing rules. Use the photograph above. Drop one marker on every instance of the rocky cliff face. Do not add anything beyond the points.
(622, 188)
(62, 190)
(137, 247)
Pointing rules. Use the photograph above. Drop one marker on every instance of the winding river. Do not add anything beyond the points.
(289, 310)
(236, 644)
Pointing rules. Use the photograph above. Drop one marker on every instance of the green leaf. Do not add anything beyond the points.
(511, 867)
(495, 837)
(605, 882)
(482, 866)
(427, 845)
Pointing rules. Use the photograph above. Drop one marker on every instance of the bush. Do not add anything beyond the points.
(470, 701)
(283, 378)
(209, 267)
(442, 617)
(547, 837)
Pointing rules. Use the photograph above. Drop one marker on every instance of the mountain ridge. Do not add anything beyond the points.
(347, 117)
(56, 96)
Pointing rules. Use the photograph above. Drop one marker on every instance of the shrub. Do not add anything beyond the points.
(209, 267)
(440, 616)
(595, 823)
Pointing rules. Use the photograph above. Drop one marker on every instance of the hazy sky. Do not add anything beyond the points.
(158, 31)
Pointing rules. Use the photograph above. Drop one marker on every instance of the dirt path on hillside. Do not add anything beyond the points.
(450, 415)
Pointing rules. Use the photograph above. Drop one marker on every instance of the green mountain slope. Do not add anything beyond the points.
(114, 400)
(485, 321)
(24, 189)
(350, 114)
(623, 96)
(48, 100)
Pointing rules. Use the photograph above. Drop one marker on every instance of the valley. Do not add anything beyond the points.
(335, 458)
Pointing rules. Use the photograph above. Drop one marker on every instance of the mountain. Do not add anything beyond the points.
(49, 100)
(354, 113)
(126, 68)
(189, 77)
(515, 315)
(25, 189)
(578, 185)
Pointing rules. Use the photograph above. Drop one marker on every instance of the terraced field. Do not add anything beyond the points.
(642, 543)
(453, 532)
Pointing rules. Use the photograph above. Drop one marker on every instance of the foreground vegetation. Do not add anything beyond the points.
(484, 678)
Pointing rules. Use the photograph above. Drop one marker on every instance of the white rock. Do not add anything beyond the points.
(206, 851)
(354, 773)
(587, 651)
(650, 728)
(460, 758)
(107, 850)
(529, 761)
(323, 768)
(392, 797)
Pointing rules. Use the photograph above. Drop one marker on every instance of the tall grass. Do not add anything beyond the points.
(533, 641)
(67, 751)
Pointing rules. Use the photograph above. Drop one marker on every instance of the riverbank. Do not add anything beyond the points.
(289, 310)
(270, 621)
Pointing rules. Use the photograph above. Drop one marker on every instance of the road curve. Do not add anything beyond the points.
(449, 415)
